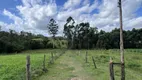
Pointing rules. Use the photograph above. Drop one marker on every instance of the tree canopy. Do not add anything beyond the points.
(77, 36)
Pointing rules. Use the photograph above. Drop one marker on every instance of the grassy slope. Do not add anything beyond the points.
(12, 67)
(72, 66)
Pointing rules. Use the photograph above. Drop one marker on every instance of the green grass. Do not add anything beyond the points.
(67, 67)
(133, 64)
(13, 67)
(71, 65)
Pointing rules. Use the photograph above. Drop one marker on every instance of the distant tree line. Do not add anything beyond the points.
(16, 42)
(83, 36)
(76, 36)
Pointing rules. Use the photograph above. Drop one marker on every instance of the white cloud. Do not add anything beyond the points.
(134, 23)
(108, 17)
(130, 6)
(77, 12)
(35, 14)
(72, 4)
(17, 20)
(30, 3)
(86, 2)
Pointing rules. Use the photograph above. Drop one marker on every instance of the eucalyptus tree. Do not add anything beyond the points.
(52, 28)
(93, 36)
(69, 31)
(83, 33)
(77, 35)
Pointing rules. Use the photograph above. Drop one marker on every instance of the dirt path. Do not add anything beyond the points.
(67, 67)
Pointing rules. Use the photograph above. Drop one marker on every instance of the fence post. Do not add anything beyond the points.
(86, 57)
(79, 52)
(28, 67)
(111, 69)
(94, 62)
(52, 57)
(44, 68)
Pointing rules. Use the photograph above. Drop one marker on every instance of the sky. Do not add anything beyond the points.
(34, 15)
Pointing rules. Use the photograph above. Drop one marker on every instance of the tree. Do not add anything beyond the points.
(69, 31)
(84, 34)
(0, 27)
(103, 40)
(52, 28)
(114, 38)
(79, 35)
(93, 37)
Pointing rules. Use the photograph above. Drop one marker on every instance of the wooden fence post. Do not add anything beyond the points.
(44, 68)
(111, 70)
(86, 57)
(28, 67)
(52, 57)
(94, 62)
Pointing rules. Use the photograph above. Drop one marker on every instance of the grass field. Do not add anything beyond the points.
(71, 65)
(12, 67)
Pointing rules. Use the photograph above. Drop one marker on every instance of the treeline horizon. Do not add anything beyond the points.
(83, 36)
(15, 42)
(76, 36)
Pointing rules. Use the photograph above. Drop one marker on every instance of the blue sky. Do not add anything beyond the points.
(11, 6)
(33, 15)
(139, 12)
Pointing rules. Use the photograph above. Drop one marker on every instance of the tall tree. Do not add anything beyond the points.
(92, 36)
(69, 31)
(53, 28)
(84, 32)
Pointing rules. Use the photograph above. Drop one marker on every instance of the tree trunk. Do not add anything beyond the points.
(53, 41)
(72, 46)
(88, 44)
